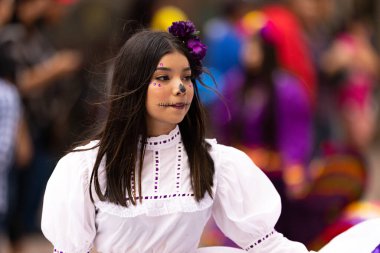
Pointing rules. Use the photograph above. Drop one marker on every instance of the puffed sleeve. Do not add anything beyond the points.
(247, 206)
(68, 215)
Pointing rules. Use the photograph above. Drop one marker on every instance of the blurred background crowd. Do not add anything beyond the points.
(296, 81)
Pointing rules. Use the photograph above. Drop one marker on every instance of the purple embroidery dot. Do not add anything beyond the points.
(159, 85)
(146, 197)
(164, 141)
(155, 197)
(165, 196)
(174, 195)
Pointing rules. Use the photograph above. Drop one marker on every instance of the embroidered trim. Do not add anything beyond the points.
(166, 196)
(156, 160)
(259, 241)
(133, 183)
(157, 205)
(179, 167)
(58, 251)
(160, 142)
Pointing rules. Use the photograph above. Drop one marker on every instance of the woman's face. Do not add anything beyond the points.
(169, 94)
(251, 55)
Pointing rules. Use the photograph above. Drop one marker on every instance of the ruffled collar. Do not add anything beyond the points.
(164, 141)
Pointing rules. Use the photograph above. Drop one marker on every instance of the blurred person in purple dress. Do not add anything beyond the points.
(271, 111)
(271, 103)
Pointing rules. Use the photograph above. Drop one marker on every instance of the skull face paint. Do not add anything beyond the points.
(182, 88)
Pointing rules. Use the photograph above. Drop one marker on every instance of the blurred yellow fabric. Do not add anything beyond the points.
(165, 16)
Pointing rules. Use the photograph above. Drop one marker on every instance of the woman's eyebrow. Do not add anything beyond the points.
(163, 68)
(169, 69)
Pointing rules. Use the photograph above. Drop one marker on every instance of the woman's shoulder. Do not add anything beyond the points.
(75, 166)
(89, 146)
(224, 153)
(82, 156)
(82, 151)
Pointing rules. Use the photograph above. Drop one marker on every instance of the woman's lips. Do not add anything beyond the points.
(176, 105)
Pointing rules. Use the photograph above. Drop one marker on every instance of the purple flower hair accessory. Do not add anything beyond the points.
(196, 48)
(182, 29)
(186, 32)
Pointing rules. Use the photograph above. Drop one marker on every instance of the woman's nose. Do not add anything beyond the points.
(180, 89)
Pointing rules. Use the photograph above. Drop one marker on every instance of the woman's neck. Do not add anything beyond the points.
(160, 130)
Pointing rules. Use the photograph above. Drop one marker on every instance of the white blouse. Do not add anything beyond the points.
(245, 205)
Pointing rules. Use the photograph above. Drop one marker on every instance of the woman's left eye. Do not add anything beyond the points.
(187, 78)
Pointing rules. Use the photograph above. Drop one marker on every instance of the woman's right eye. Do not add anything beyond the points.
(162, 78)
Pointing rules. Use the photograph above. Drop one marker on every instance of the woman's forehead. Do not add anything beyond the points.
(173, 60)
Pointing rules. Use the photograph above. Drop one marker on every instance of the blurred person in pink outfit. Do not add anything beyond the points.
(353, 63)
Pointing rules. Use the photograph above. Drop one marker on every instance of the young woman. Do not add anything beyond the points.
(149, 181)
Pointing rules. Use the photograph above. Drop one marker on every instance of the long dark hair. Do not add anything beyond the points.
(123, 136)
